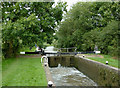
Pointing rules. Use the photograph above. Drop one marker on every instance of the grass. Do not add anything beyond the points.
(111, 61)
(23, 72)
(27, 49)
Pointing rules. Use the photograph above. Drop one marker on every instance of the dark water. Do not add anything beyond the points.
(70, 76)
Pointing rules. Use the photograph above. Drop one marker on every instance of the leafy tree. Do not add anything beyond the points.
(109, 38)
(90, 39)
(27, 23)
(103, 12)
(90, 24)
(76, 23)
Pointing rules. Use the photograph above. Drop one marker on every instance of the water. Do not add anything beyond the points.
(59, 65)
(70, 76)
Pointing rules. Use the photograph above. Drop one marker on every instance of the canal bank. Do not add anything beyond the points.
(102, 74)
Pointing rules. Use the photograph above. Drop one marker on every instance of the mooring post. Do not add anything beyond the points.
(50, 84)
(107, 62)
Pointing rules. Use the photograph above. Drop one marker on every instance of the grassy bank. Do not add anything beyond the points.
(23, 72)
(111, 61)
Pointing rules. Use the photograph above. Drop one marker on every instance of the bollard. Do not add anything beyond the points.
(107, 62)
(50, 83)
(83, 56)
(45, 64)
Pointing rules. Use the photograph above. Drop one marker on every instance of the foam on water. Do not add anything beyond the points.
(70, 76)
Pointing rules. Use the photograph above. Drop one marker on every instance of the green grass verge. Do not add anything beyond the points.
(23, 72)
(111, 61)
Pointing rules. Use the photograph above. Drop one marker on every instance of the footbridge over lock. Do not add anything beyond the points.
(51, 51)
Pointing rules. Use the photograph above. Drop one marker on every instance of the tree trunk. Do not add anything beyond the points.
(10, 50)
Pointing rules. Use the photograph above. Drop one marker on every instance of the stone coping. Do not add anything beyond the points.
(106, 66)
(48, 74)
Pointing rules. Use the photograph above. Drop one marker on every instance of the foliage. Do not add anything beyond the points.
(27, 49)
(106, 39)
(90, 39)
(28, 23)
(74, 26)
(23, 31)
(23, 72)
(91, 23)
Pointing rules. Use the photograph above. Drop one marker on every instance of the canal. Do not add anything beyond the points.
(70, 76)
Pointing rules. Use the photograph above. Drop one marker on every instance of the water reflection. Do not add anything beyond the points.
(70, 76)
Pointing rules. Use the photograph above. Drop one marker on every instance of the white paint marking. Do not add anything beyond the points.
(22, 52)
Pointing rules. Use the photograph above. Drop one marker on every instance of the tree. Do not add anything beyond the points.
(76, 23)
(90, 39)
(90, 24)
(27, 23)
(109, 38)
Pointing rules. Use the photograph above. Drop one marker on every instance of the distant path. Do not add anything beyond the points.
(49, 48)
